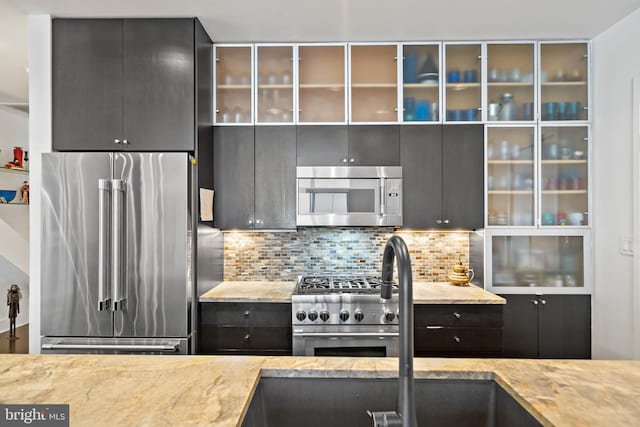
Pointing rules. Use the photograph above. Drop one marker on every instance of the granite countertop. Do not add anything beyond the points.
(215, 390)
(423, 293)
(229, 291)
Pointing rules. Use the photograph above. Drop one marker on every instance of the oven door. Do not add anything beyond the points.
(338, 342)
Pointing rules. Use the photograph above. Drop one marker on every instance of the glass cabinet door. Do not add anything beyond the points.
(420, 83)
(510, 176)
(463, 97)
(321, 84)
(564, 176)
(374, 83)
(510, 82)
(564, 81)
(233, 84)
(275, 84)
(537, 261)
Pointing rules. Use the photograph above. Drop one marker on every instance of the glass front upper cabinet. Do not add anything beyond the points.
(421, 82)
(533, 261)
(233, 96)
(564, 88)
(510, 82)
(275, 83)
(374, 83)
(463, 95)
(510, 176)
(321, 84)
(564, 176)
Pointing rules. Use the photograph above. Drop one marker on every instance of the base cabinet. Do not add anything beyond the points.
(245, 328)
(547, 326)
(458, 330)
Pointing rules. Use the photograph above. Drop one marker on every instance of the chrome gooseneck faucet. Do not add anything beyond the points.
(405, 414)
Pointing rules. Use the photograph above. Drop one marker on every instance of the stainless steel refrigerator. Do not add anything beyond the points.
(118, 273)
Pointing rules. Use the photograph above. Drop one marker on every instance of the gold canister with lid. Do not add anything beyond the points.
(461, 275)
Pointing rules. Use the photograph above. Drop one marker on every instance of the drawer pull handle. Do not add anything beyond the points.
(247, 337)
(435, 327)
(457, 315)
(457, 339)
(246, 313)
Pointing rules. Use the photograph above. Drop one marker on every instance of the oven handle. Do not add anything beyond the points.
(345, 334)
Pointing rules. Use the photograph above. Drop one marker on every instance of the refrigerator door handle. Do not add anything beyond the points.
(104, 239)
(113, 347)
(118, 193)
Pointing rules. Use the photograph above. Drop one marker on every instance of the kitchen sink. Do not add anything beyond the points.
(337, 402)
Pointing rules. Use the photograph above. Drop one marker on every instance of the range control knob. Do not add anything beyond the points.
(301, 315)
(313, 315)
(344, 315)
(390, 316)
(324, 315)
(359, 315)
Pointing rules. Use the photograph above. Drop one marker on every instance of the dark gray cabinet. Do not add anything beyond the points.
(443, 170)
(126, 84)
(322, 145)
(369, 145)
(233, 177)
(547, 326)
(245, 328)
(254, 177)
(458, 330)
(275, 177)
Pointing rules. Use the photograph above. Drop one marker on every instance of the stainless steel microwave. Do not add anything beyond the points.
(349, 195)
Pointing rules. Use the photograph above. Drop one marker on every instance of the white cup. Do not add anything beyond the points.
(575, 218)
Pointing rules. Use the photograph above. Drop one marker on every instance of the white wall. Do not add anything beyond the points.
(39, 142)
(616, 61)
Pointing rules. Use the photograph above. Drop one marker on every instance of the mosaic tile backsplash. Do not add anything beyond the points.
(348, 250)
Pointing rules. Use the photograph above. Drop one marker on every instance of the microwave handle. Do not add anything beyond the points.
(383, 199)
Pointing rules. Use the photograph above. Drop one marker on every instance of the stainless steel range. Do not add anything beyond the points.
(344, 316)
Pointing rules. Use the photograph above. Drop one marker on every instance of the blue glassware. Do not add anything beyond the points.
(527, 111)
(409, 109)
(410, 70)
(470, 114)
(573, 110)
(470, 76)
(456, 115)
(562, 111)
(549, 111)
(423, 111)
(453, 76)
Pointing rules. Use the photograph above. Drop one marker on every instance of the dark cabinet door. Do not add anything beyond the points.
(564, 323)
(159, 98)
(87, 84)
(275, 177)
(520, 326)
(374, 145)
(462, 176)
(322, 145)
(421, 161)
(233, 177)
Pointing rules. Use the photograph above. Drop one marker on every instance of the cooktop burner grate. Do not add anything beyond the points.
(340, 284)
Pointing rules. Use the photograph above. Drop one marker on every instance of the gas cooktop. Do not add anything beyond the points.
(340, 284)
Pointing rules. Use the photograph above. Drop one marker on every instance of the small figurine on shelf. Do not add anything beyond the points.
(13, 301)
(24, 193)
(17, 159)
(25, 164)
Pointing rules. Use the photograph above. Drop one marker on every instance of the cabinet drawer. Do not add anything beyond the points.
(223, 338)
(443, 341)
(459, 315)
(246, 314)
(241, 340)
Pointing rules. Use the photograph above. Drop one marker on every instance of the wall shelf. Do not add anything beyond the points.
(18, 171)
